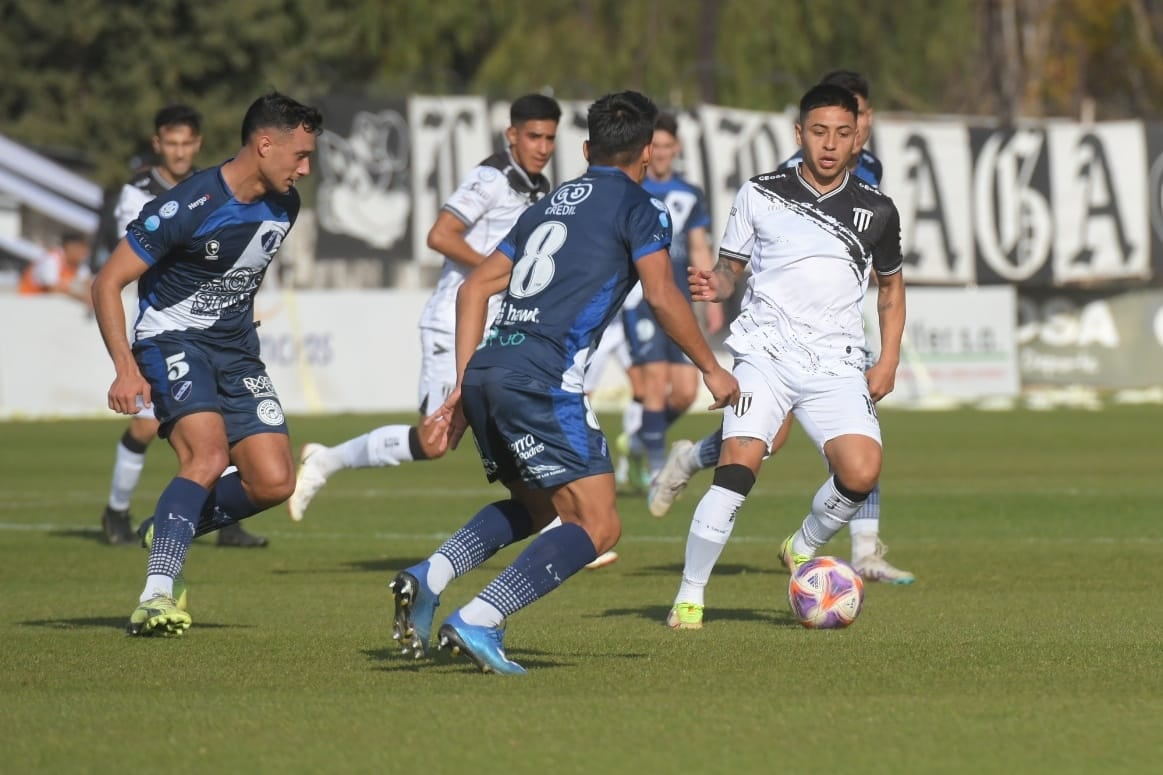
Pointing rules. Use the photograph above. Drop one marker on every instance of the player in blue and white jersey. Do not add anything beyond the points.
(568, 264)
(811, 237)
(176, 141)
(470, 224)
(686, 458)
(666, 381)
(198, 254)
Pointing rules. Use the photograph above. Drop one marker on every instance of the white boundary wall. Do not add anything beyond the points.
(359, 351)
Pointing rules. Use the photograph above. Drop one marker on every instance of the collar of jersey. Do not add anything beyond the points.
(604, 170)
(821, 197)
(522, 176)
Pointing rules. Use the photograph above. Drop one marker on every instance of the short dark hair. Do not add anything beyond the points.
(177, 115)
(73, 236)
(850, 80)
(620, 125)
(534, 107)
(278, 111)
(667, 122)
(826, 95)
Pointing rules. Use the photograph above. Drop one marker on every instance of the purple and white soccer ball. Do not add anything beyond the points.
(825, 593)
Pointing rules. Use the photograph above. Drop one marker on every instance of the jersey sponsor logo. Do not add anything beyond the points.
(269, 412)
(566, 199)
(220, 295)
(861, 217)
(198, 202)
(169, 209)
(527, 447)
(260, 386)
(744, 404)
(152, 223)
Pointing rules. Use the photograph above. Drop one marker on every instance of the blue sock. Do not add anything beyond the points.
(228, 503)
(175, 519)
(870, 509)
(710, 448)
(493, 528)
(672, 414)
(653, 435)
(551, 559)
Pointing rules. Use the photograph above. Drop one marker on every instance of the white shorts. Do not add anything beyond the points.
(825, 405)
(613, 342)
(437, 368)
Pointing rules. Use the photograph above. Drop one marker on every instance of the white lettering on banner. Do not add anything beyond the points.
(1059, 322)
(1102, 231)
(740, 144)
(450, 136)
(1013, 223)
(356, 195)
(932, 196)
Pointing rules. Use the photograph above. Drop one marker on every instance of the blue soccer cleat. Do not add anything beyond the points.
(416, 604)
(483, 645)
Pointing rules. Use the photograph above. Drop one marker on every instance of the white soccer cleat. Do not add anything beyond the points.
(671, 480)
(874, 567)
(602, 560)
(311, 478)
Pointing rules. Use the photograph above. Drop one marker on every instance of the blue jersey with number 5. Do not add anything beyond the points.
(574, 254)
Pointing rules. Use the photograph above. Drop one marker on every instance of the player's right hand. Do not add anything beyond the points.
(125, 391)
(723, 386)
(443, 429)
(703, 284)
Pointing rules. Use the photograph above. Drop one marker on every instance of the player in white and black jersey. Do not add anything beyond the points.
(469, 227)
(811, 236)
(177, 138)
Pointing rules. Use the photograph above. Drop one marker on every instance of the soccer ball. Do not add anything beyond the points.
(825, 593)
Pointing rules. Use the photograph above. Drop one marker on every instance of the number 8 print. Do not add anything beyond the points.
(535, 270)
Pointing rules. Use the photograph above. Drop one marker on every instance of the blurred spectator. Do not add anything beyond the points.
(62, 269)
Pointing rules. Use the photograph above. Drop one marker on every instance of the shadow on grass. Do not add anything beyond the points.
(657, 613)
(96, 535)
(114, 623)
(725, 569)
(384, 565)
(390, 660)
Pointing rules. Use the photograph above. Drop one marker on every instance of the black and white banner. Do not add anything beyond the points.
(1053, 204)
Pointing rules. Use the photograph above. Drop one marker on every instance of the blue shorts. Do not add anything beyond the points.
(529, 431)
(647, 341)
(190, 374)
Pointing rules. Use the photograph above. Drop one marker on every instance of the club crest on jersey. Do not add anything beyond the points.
(212, 248)
(861, 217)
(169, 209)
(744, 404)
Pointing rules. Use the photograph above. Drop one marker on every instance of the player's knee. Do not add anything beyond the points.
(734, 477)
(271, 489)
(143, 429)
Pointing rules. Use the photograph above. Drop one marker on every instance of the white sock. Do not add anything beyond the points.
(711, 527)
(830, 512)
(386, 446)
(555, 523)
(632, 418)
(481, 614)
(126, 474)
(156, 584)
(864, 533)
(440, 573)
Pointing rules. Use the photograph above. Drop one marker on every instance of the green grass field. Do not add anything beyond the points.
(1032, 642)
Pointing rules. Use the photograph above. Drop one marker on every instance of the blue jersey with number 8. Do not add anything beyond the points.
(574, 254)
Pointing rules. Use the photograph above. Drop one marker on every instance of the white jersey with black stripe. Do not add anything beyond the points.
(489, 201)
(810, 256)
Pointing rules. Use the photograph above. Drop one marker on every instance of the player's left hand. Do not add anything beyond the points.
(881, 379)
(703, 284)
